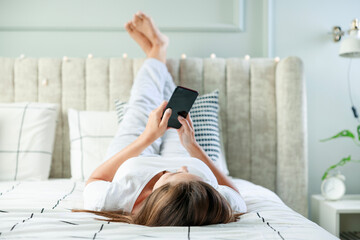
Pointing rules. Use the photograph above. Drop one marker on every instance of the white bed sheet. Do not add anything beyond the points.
(41, 210)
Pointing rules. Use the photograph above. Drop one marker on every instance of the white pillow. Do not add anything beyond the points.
(204, 114)
(27, 135)
(90, 135)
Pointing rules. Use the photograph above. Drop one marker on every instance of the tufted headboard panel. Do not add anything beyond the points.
(262, 108)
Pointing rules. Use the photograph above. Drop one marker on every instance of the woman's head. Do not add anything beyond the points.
(185, 203)
(177, 199)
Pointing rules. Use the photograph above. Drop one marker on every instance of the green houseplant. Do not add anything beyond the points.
(343, 161)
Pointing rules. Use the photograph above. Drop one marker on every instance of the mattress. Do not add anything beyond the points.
(41, 210)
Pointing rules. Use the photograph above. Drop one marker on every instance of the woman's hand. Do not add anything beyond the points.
(156, 126)
(187, 133)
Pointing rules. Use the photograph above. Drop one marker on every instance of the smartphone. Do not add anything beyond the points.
(180, 103)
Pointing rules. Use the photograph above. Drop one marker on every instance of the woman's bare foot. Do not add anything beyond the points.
(139, 37)
(159, 41)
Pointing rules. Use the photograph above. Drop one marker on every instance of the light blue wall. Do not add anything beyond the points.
(111, 40)
(301, 29)
(290, 27)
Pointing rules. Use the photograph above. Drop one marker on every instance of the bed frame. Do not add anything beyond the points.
(262, 108)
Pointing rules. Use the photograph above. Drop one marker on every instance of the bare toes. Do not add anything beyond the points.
(140, 38)
(127, 26)
(131, 26)
(148, 36)
(142, 15)
(136, 20)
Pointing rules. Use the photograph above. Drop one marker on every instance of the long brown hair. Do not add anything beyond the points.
(190, 203)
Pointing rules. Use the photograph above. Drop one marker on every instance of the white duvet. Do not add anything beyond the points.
(41, 210)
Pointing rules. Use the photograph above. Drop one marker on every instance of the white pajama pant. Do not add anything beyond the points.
(152, 85)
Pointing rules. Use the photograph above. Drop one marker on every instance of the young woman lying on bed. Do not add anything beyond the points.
(154, 175)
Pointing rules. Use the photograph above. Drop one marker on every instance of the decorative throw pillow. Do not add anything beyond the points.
(204, 115)
(119, 108)
(90, 135)
(27, 135)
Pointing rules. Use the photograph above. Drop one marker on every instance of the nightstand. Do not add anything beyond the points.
(341, 216)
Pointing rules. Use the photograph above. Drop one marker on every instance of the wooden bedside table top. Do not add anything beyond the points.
(349, 203)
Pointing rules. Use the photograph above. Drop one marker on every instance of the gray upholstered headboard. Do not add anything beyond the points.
(263, 110)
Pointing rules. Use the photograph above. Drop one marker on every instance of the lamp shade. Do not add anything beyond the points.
(350, 47)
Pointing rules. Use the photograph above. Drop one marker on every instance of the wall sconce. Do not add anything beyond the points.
(337, 33)
(349, 47)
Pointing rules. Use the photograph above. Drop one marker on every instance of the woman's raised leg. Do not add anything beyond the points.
(147, 91)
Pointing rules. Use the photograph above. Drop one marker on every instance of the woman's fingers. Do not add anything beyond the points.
(162, 106)
(185, 124)
(165, 119)
(189, 120)
(159, 111)
(180, 131)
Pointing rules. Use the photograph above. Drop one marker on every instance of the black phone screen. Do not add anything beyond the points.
(180, 103)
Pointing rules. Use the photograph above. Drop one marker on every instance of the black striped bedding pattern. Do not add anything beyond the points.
(42, 210)
(51, 203)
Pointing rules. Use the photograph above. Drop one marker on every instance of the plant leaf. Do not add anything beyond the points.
(343, 133)
(324, 176)
(358, 132)
(342, 162)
